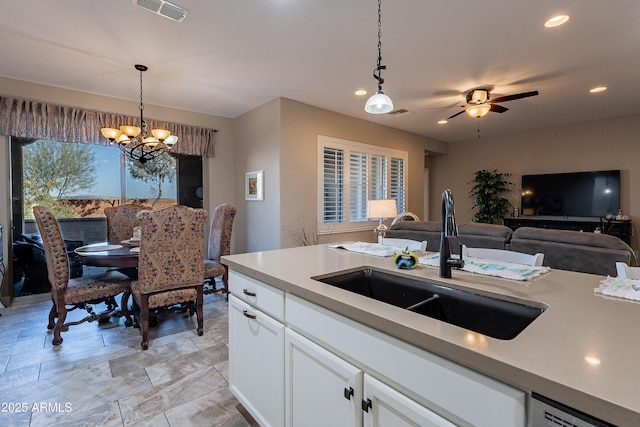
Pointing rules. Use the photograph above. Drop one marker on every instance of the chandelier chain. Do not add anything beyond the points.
(142, 122)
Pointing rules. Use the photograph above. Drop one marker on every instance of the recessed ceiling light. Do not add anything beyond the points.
(556, 21)
(598, 89)
(361, 92)
(442, 122)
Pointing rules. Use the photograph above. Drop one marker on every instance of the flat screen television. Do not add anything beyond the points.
(582, 194)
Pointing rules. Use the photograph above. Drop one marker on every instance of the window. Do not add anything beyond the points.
(352, 173)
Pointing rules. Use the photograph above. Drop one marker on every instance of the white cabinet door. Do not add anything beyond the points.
(389, 408)
(256, 362)
(321, 389)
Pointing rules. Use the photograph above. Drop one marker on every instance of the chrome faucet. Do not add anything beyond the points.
(449, 229)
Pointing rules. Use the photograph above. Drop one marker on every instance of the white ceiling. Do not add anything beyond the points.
(230, 56)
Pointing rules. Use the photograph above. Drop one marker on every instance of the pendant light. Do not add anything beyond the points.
(379, 103)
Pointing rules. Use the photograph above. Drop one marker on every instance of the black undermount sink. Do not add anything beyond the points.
(490, 316)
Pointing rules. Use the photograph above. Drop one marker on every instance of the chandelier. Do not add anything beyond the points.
(135, 141)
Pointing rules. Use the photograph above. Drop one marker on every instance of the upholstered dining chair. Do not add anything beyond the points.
(219, 245)
(82, 292)
(121, 220)
(170, 268)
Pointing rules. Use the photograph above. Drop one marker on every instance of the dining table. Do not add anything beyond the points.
(107, 254)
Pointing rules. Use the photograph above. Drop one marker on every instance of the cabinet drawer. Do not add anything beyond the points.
(258, 294)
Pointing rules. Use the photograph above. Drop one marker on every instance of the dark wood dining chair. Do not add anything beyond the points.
(219, 245)
(82, 292)
(121, 221)
(170, 268)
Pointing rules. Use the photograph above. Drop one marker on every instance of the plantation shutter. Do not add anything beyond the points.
(358, 185)
(333, 185)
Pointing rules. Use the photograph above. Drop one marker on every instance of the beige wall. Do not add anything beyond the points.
(257, 147)
(596, 145)
(301, 124)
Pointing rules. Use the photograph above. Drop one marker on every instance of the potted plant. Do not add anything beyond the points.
(487, 190)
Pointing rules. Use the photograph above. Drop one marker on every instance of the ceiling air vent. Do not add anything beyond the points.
(163, 8)
(399, 112)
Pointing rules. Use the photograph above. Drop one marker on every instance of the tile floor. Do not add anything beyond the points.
(99, 376)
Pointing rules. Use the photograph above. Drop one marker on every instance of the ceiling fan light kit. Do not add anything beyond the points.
(479, 102)
(478, 111)
(379, 103)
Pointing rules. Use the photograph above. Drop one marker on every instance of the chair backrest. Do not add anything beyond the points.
(121, 220)
(55, 251)
(413, 245)
(503, 255)
(171, 248)
(627, 272)
(220, 232)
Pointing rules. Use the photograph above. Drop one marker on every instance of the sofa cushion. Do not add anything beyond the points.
(428, 231)
(574, 250)
(480, 235)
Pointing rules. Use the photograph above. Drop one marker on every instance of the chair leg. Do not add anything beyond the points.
(144, 321)
(53, 313)
(225, 281)
(62, 316)
(124, 302)
(199, 304)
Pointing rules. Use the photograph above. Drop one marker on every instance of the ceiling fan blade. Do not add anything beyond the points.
(513, 97)
(456, 114)
(498, 108)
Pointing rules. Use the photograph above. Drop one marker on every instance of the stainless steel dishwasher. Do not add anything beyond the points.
(548, 413)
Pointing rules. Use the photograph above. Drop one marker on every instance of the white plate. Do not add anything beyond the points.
(135, 250)
(99, 248)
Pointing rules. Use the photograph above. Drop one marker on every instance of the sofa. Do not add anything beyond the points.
(563, 249)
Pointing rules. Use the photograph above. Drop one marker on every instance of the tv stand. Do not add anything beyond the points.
(621, 229)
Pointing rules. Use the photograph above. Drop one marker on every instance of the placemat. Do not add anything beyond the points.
(366, 248)
(487, 267)
(619, 287)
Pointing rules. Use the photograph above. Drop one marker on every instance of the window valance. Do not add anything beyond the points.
(32, 119)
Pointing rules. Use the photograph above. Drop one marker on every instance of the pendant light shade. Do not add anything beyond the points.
(379, 103)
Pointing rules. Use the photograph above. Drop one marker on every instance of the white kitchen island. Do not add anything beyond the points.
(312, 338)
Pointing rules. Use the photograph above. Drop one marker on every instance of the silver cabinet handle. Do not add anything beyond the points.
(247, 314)
(249, 294)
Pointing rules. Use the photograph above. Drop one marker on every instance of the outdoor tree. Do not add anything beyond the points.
(53, 170)
(156, 171)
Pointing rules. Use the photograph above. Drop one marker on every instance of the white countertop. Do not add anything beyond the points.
(583, 351)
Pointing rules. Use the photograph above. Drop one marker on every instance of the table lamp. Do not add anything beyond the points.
(382, 209)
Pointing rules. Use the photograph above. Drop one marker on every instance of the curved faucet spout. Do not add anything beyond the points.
(449, 226)
(449, 229)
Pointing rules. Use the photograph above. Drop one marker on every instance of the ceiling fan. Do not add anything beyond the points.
(480, 103)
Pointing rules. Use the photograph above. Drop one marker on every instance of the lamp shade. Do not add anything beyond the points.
(379, 103)
(380, 209)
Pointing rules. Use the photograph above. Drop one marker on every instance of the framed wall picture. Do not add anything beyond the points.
(254, 185)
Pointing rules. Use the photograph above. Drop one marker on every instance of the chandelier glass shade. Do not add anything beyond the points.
(135, 141)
